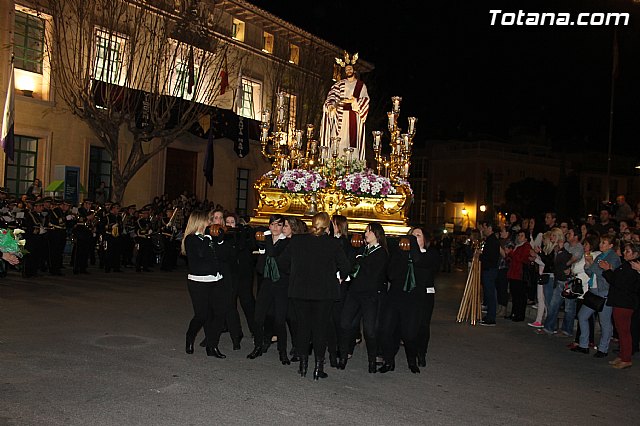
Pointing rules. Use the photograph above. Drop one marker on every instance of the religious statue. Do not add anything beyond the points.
(344, 113)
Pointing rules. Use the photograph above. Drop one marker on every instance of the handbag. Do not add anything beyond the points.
(594, 301)
(543, 279)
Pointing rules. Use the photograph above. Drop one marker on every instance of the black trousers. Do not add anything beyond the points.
(209, 310)
(399, 320)
(243, 292)
(426, 303)
(57, 239)
(502, 287)
(272, 296)
(334, 332)
(112, 253)
(233, 317)
(144, 257)
(312, 317)
(80, 254)
(368, 306)
(518, 289)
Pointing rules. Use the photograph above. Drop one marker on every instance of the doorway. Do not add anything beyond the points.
(180, 172)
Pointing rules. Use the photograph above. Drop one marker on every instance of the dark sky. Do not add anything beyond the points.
(459, 74)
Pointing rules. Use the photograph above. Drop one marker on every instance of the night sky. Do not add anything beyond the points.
(461, 76)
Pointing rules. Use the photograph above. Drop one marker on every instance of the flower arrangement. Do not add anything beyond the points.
(366, 183)
(299, 180)
(406, 184)
(355, 166)
(11, 241)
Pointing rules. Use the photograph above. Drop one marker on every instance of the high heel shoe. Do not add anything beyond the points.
(372, 367)
(414, 369)
(387, 366)
(189, 345)
(284, 359)
(333, 360)
(255, 353)
(215, 352)
(304, 365)
(318, 371)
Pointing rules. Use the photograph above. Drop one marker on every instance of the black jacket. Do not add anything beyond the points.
(313, 262)
(202, 257)
(624, 286)
(372, 273)
(425, 266)
(274, 250)
(490, 256)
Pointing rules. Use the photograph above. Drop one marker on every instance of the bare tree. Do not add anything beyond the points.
(140, 73)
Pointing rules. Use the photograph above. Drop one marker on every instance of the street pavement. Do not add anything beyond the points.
(108, 349)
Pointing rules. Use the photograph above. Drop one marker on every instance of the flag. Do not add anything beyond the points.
(191, 70)
(224, 76)
(7, 141)
(208, 156)
(239, 95)
(614, 68)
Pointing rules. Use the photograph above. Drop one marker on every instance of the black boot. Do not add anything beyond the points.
(342, 363)
(203, 344)
(333, 360)
(284, 359)
(414, 369)
(294, 355)
(422, 360)
(214, 351)
(372, 366)
(257, 351)
(304, 365)
(189, 346)
(318, 372)
(387, 366)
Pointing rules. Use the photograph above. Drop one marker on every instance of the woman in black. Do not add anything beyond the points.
(273, 291)
(368, 279)
(314, 259)
(205, 282)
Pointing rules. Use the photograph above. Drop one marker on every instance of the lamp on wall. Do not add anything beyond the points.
(26, 85)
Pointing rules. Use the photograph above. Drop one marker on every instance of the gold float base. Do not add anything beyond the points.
(390, 211)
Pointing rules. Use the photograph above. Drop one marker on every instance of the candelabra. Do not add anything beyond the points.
(397, 166)
(278, 138)
(286, 152)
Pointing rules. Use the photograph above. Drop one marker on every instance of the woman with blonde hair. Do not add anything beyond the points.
(544, 262)
(313, 260)
(205, 283)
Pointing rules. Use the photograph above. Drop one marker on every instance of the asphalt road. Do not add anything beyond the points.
(108, 349)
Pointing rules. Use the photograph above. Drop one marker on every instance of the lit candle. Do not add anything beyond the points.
(280, 100)
(377, 134)
(310, 131)
(395, 100)
(335, 143)
(265, 133)
(412, 125)
(298, 139)
(266, 116)
(405, 140)
(280, 116)
(392, 121)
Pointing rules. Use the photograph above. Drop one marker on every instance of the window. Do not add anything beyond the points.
(99, 170)
(28, 42)
(242, 192)
(109, 63)
(237, 29)
(267, 42)
(21, 172)
(180, 81)
(294, 54)
(250, 104)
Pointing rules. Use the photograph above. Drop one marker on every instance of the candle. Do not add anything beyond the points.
(405, 140)
(412, 125)
(395, 100)
(266, 116)
(309, 131)
(280, 116)
(265, 134)
(392, 121)
(280, 100)
(335, 143)
(377, 134)
(298, 138)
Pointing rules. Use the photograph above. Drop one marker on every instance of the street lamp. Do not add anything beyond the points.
(465, 213)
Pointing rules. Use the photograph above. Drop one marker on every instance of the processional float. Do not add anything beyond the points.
(305, 179)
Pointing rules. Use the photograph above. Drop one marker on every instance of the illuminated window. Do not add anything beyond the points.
(267, 45)
(237, 29)
(180, 81)
(20, 173)
(99, 169)
(250, 104)
(294, 54)
(109, 59)
(28, 42)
